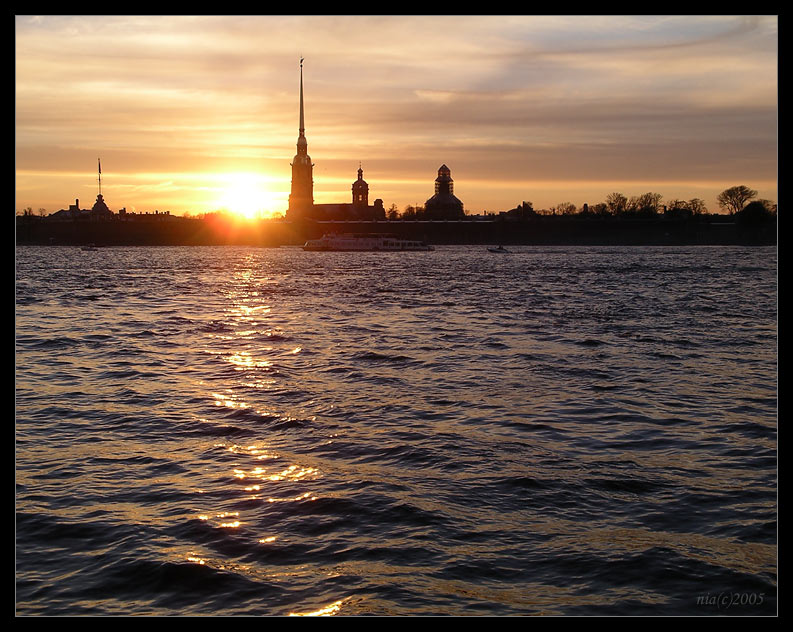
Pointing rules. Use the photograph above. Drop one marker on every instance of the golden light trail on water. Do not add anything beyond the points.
(327, 611)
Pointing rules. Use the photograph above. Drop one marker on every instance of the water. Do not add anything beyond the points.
(242, 431)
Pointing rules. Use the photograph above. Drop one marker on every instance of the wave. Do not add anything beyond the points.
(254, 431)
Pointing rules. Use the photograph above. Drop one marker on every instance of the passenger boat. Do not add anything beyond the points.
(365, 242)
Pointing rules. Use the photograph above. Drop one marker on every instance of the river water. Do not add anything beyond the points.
(245, 431)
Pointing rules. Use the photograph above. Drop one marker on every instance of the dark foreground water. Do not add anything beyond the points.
(246, 431)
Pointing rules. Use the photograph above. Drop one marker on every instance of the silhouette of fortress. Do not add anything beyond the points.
(98, 211)
(442, 205)
(75, 226)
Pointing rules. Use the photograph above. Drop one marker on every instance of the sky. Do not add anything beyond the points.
(192, 114)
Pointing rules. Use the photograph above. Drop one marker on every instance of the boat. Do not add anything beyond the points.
(364, 242)
(89, 247)
(498, 249)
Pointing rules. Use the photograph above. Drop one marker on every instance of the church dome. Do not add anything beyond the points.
(444, 204)
(99, 206)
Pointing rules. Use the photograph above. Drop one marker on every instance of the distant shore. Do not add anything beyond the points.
(179, 231)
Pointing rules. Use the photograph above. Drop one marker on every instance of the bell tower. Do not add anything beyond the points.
(360, 190)
(301, 198)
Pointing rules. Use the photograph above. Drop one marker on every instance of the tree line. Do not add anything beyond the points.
(735, 200)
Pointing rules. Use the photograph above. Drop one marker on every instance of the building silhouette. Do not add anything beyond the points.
(99, 210)
(360, 190)
(358, 209)
(301, 197)
(444, 204)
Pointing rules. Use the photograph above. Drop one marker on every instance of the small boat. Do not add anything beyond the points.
(498, 249)
(89, 247)
(364, 242)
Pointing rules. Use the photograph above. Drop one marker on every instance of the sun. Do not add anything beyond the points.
(247, 195)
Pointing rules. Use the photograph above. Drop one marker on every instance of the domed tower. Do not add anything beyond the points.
(360, 190)
(301, 198)
(444, 204)
(100, 207)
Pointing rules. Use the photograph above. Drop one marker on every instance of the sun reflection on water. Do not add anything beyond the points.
(327, 611)
(228, 401)
(294, 473)
(304, 496)
(243, 360)
(263, 482)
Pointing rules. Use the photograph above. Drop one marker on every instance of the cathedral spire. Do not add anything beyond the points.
(301, 199)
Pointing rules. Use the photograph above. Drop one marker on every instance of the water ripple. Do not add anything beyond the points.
(581, 431)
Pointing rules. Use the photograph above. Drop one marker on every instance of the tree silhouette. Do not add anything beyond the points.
(697, 206)
(735, 198)
(566, 208)
(409, 212)
(616, 203)
(645, 205)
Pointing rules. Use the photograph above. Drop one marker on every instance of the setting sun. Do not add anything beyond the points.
(247, 195)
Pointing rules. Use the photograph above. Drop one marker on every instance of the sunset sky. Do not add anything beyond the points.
(194, 114)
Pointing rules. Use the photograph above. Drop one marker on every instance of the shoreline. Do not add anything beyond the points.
(546, 231)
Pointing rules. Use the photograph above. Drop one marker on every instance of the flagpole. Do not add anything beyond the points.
(99, 164)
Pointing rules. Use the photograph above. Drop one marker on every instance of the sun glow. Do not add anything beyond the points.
(248, 195)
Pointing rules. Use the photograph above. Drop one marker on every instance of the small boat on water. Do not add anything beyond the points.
(364, 242)
(498, 249)
(89, 247)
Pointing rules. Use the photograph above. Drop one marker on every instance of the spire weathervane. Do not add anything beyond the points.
(302, 124)
(99, 165)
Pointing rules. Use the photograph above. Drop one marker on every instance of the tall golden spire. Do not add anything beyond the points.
(302, 122)
(302, 143)
(301, 199)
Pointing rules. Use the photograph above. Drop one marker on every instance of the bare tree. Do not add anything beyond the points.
(566, 208)
(735, 198)
(616, 203)
(648, 203)
(697, 206)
